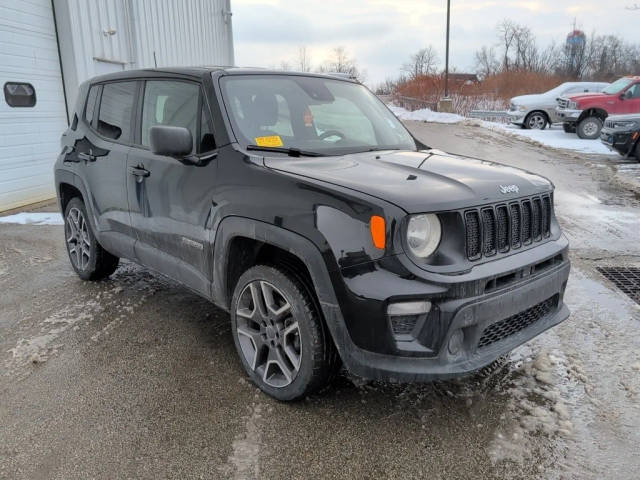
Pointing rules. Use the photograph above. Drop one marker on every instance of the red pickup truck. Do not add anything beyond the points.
(584, 113)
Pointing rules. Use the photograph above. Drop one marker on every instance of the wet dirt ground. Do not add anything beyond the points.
(136, 377)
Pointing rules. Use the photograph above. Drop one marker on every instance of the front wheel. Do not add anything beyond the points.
(89, 260)
(638, 151)
(279, 335)
(536, 121)
(589, 128)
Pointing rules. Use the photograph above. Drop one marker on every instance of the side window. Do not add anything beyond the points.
(91, 104)
(19, 94)
(114, 119)
(172, 103)
(207, 141)
(635, 91)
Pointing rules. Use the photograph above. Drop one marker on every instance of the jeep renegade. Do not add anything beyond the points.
(301, 205)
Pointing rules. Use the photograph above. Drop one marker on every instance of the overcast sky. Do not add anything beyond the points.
(381, 34)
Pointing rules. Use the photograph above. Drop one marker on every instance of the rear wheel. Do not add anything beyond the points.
(589, 128)
(89, 260)
(279, 334)
(536, 121)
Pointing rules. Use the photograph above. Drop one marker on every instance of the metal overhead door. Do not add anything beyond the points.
(29, 71)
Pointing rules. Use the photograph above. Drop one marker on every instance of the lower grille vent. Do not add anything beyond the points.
(516, 323)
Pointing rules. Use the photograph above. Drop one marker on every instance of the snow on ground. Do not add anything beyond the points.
(426, 115)
(554, 137)
(34, 218)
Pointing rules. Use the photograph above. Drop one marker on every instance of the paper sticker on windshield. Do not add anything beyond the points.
(272, 141)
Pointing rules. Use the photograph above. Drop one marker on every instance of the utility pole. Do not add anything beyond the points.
(446, 104)
(446, 67)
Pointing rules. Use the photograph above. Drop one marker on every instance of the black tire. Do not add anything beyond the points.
(638, 151)
(89, 260)
(569, 127)
(266, 350)
(589, 128)
(536, 121)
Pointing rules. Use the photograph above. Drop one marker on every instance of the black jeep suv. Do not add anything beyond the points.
(301, 205)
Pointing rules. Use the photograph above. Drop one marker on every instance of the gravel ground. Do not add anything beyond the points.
(136, 377)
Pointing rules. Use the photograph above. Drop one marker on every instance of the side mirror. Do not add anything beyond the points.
(174, 142)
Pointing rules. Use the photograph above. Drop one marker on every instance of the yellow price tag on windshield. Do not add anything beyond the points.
(272, 141)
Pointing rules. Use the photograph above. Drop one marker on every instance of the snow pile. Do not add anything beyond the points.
(426, 115)
(554, 137)
(34, 218)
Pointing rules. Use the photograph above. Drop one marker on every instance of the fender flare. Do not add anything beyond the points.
(233, 226)
(73, 179)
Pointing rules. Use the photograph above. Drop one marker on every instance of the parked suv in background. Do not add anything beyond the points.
(300, 204)
(585, 113)
(622, 134)
(539, 110)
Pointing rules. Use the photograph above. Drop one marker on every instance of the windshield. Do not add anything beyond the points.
(617, 86)
(560, 89)
(313, 114)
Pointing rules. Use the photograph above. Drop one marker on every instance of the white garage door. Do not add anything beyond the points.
(29, 135)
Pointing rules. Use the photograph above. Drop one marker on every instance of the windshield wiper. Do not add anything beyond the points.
(292, 152)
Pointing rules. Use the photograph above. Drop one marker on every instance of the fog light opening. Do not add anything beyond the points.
(456, 342)
(404, 316)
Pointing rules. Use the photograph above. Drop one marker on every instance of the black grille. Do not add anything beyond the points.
(403, 324)
(473, 235)
(526, 222)
(489, 229)
(503, 227)
(516, 223)
(516, 323)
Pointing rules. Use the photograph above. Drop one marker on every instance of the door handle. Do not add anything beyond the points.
(86, 157)
(139, 172)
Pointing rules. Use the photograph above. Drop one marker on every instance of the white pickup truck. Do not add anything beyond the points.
(538, 110)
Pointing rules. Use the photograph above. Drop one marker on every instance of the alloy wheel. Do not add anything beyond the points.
(536, 122)
(268, 333)
(78, 239)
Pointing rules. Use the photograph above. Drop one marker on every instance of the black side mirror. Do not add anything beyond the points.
(174, 142)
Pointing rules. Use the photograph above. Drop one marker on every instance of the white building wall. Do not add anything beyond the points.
(102, 36)
(29, 136)
(94, 37)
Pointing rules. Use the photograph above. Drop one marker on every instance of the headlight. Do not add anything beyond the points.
(522, 108)
(423, 234)
(572, 105)
(623, 123)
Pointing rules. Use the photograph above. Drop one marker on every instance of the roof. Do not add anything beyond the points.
(200, 71)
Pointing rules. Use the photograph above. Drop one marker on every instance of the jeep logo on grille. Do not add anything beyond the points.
(509, 189)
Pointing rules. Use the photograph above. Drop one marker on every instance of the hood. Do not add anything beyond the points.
(577, 97)
(425, 181)
(628, 116)
(533, 99)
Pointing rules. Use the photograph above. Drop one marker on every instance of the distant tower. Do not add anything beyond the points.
(575, 45)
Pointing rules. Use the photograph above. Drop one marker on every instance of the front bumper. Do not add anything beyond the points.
(464, 316)
(516, 117)
(568, 115)
(621, 141)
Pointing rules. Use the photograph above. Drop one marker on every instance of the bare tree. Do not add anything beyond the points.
(423, 62)
(304, 60)
(341, 62)
(486, 62)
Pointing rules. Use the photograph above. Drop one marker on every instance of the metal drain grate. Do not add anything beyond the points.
(626, 279)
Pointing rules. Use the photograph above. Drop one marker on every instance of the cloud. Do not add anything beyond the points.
(382, 34)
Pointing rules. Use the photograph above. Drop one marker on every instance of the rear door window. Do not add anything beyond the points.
(114, 119)
(91, 104)
(170, 102)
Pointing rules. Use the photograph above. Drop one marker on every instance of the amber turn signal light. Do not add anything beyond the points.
(378, 231)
